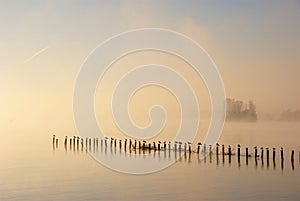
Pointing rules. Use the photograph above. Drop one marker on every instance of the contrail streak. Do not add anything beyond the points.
(36, 54)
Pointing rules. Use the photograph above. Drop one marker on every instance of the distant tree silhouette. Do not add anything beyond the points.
(235, 111)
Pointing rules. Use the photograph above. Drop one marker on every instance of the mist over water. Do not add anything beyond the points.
(32, 170)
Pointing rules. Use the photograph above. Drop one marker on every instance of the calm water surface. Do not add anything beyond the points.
(31, 170)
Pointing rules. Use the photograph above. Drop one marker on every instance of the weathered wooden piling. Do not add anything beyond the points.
(130, 143)
(112, 141)
(223, 150)
(247, 155)
(77, 144)
(229, 153)
(281, 153)
(74, 141)
(239, 151)
(105, 142)
(53, 139)
(292, 160)
(120, 144)
(154, 146)
(198, 147)
(274, 153)
(217, 149)
(262, 153)
(66, 140)
(229, 150)
(255, 152)
(268, 153)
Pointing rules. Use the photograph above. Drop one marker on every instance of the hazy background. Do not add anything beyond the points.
(255, 44)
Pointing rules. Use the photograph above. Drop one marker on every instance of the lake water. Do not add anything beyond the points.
(31, 170)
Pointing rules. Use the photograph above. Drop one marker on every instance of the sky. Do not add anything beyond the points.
(255, 45)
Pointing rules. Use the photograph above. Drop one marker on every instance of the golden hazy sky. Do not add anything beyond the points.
(255, 45)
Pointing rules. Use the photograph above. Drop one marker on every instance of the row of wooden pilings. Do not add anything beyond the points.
(77, 142)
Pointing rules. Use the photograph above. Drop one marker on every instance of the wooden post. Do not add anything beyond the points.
(198, 148)
(281, 151)
(255, 152)
(223, 150)
(262, 153)
(229, 150)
